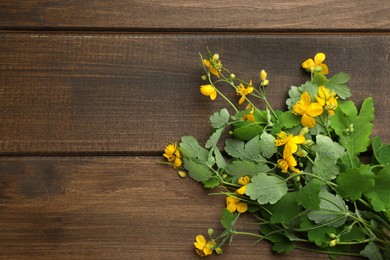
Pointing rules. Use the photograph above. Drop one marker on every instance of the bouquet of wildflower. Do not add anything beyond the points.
(299, 172)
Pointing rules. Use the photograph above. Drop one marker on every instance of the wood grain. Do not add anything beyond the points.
(110, 208)
(201, 15)
(133, 93)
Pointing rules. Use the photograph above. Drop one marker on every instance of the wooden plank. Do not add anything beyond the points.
(198, 15)
(133, 93)
(109, 208)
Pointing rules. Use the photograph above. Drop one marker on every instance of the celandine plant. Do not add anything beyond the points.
(298, 171)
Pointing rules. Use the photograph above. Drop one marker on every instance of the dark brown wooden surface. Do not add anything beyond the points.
(92, 91)
(201, 15)
(132, 93)
(110, 208)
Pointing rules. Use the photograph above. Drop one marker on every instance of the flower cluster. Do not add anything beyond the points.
(297, 171)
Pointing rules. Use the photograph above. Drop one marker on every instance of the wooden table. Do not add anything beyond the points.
(92, 91)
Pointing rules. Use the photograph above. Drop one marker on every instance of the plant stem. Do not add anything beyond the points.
(327, 252)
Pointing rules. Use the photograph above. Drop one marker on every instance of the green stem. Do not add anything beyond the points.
(327, 252)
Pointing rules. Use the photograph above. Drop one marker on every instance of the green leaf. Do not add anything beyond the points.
(267, 145)
(354, 234)
(320, 235)
(289, 119)
(227, 218)
(190, 148)
(381, 151)
(211, 183)
(372, 252)
(221, 163)
(284, 246)
(246, 151)
(319, 79)
(309, 87)
(285, 210)
(197, 171)
(332, 212)
(354, 130)
(338, 84)
(309, 195)
(294, 95)
(247, 131)
(239, 169)
(214, 138)
(220, 119)
(379, 195)
(354, 182)
(281, 243)
(327, 154)
(266, 189)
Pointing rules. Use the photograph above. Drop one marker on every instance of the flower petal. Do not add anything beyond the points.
(241, 190)
(314, 110)
(200, 242)
(299, 139)
(325, 69)
(307, 121)
(308, 64)
(242, 207)
(319, 58)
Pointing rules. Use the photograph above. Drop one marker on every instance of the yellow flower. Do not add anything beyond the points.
(173, 155)
(244, 91)
(326, 98)
(234, 204)
(209, 90)
(243, 181)
(307, 110)
(317, 64)
(288, 163)
(290, 143)
(249, 116)
(214, 65)
(203, 247)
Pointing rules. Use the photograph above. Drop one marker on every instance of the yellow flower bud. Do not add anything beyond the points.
(232, 76)
(210, 232)
(333, 243)
(215, 57)
(304, 131)
(263, 75)
(264, 83)
(204, 77)
(182, 174)
(301, 153)
(218, 250)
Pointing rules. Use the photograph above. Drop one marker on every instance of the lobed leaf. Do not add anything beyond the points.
(286, 209)
(240, 168)
(338, 84)
(309, 195)
(266, 189)
(354, 182)
(267, 145)
(379, 195)
(245, 151)
(332, 212)
(197, 171)
(354, 130)
(327, 154)
(220, 119)
(190, 148)
(381, 151)
(372, 252)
